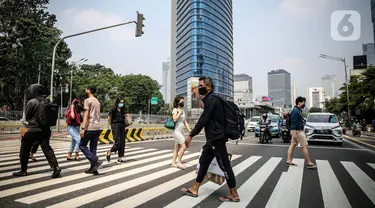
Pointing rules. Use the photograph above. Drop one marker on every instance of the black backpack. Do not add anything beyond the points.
(47, 113)
(234, 120)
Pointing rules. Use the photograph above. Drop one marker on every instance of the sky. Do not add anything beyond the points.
(268, 35)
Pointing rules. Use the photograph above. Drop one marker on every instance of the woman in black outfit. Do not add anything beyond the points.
(116, 120)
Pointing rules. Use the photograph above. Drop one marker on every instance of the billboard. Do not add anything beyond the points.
(267, 98)
(194, 99)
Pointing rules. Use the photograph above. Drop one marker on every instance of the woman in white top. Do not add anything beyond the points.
(178, 132)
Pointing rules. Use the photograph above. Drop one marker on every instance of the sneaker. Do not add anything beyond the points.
(311, 166)
(89, 171)
(109, 156)
(56, 172)
(20, 173)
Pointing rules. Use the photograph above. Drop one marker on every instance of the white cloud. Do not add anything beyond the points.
(303, 7)
(88, 19)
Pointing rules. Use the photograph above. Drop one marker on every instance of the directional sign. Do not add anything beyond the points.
(154, 101)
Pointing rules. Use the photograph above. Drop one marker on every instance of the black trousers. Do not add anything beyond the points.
(35, 147)
(216, 149)
(91, 136)
(118, 133)
(28, 140)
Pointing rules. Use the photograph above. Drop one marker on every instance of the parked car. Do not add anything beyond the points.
(252, 123)
(323, 127)
(275, 126)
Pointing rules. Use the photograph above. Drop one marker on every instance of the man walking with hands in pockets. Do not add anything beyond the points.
(213, 121)
(298, 136)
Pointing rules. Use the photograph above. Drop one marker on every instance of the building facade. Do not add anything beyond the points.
(316, 97)
(373, 17)
(368, 49)
(329, 84)
(243, 93)
(166, 84)
(204, 43)
(279, 87)
(173, 48)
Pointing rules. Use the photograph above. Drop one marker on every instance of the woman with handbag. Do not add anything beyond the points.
(117, 119)
(179, 118)
(73, 120)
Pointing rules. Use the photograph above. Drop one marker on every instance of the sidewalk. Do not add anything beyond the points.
(57, 135)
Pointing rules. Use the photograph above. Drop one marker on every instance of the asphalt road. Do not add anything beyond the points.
(345, 177)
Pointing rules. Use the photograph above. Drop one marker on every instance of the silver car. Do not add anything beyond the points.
(252, 123)
(323, 127)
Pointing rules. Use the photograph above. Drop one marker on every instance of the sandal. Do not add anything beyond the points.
(290, 164)
(227, 199)
(76, 158)
(188, 192)
(69, 158)
(33, 158)
(180, 166)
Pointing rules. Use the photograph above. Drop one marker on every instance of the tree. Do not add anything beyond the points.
(27, 38)
(138, 90)
(315, 110)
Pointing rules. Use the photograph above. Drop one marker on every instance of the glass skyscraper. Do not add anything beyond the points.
(204, 44)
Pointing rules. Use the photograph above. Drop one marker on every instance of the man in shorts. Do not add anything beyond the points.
(298, 136)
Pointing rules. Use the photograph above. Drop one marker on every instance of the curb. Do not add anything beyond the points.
(359, 142)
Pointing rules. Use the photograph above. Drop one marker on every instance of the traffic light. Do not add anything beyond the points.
(139, 29)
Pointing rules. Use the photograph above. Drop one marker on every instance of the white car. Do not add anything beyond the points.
(323, 127)
(252, 123)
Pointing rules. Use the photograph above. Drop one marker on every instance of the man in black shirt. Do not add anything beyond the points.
(213, 121)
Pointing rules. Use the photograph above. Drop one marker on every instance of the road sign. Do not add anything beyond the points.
(154, 101)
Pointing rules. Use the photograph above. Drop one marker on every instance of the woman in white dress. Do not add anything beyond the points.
(179, 118)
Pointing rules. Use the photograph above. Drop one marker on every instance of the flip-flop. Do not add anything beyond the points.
(290, 164)
(188, 192)
(227, 199)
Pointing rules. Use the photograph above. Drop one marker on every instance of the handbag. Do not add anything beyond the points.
(169, 123)
(23, 131)
(128, 120)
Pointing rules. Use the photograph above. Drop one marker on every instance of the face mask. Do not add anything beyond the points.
(303, 106)
(182, 104)
(120, 105)
(202, 90)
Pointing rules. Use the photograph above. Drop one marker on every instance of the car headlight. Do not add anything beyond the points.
(308, 130)
(337, 131)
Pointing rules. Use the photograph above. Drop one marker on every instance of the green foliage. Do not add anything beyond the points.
(27, 38)
(315, 110)
(361, 95)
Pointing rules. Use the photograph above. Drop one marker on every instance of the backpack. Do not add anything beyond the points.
(234, 126)
(47, 113)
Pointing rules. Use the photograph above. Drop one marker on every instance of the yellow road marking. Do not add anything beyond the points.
(370, 145)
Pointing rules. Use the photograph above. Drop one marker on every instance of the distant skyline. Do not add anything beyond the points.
(268, 35)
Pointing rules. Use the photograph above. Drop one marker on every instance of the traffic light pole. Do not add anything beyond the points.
(70, 36)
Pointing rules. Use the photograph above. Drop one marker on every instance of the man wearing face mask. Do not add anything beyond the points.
(213, 121)
(90, 130)
(298, 136)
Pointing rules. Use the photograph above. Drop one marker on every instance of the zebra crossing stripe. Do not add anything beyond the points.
(79, 186)
(371, 165)
(254, 183)
(156, 191)
(63, 150)
(364, 181)
(287, 192)
(333, 194)
(208, 188)
(47, 183)
(64, 155)
(36, 176)
(61, 160)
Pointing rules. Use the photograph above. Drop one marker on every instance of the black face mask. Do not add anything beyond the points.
(202, 90)
(303, 106)
(181, 104)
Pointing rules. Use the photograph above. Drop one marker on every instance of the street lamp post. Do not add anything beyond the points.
(346, 77)
(83, 60)
(73, 35)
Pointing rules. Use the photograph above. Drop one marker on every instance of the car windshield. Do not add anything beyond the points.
(254, 119)
(275, 118)
(322, 119)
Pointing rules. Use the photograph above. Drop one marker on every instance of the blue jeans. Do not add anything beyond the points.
(92, 137)
(76, 138)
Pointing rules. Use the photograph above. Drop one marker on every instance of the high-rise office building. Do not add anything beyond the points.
(316, 97)
(166, 85)
(329, 84)
(279, 87)
(204, 43)
(368, 49)
(373, 17)
(294, 93)
(243, 89)
(173, 48)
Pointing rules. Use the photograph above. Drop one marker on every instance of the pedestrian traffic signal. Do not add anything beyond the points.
(139, 29)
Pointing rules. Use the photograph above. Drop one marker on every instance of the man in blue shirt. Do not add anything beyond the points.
(298, 136)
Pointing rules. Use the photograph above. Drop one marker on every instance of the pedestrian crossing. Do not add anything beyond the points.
(146, 179)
